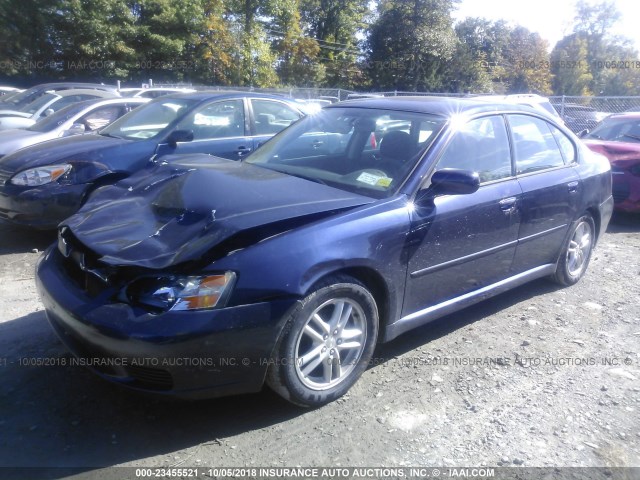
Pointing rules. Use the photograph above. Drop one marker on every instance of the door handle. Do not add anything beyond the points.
(242, 151)
(573, 187)
(507, 205)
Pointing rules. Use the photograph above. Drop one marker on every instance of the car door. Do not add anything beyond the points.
(544, 159)
(461, 243)
(268, 117)
(219, 128)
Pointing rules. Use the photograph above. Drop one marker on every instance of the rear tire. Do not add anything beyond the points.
(576, 253)
(326, 344)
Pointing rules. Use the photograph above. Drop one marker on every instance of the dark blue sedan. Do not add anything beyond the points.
(43, 184)
(359, 223)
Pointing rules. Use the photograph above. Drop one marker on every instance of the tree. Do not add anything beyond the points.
(165, 35)
(411, 43)
(605, 52)
(479, 65)
(528, 60)
(93, 38)
(256, 61)
(335, 25)
(570, 66)
(298, 56)
(218, 46)
(27, 38)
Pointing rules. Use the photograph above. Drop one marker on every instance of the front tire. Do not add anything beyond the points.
(326, 344)
(576, 253)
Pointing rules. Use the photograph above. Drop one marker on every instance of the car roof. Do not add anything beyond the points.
(67, 85)
(110, 101)
(443, 106)
(84, 91)
(211, 94)
(628, 115)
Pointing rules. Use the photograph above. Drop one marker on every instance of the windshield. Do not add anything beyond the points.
(366, 151)
(40, 102)
(149, 120)
(24, 98)
(47, 124)
(618, 129)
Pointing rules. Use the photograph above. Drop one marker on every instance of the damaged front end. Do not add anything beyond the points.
(153, 242)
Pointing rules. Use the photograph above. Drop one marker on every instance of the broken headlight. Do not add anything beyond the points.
(181, 292)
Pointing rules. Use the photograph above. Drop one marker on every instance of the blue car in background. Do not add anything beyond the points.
(45, 183)
(208, 277)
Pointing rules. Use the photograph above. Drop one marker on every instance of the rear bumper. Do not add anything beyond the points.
(626, 192)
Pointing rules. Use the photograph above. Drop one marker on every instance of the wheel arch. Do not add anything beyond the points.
(373, 281)
(597, 220)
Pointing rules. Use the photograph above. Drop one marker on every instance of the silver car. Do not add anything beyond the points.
(45, 105)
(87, 116)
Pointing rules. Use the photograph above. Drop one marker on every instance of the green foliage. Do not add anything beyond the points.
(570, 67)
(335, 25)
(605, 64)
(299, 55)
(411, 44)
(528, 63)
(399, 44)
(28, 38)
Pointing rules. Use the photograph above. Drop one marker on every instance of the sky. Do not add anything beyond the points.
(552, 19)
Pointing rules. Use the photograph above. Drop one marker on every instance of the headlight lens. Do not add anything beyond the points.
(40, 175)
(182, 293)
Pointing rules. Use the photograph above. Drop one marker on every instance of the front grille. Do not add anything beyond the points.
(620, 192)
(150, 378)
(5, 175)
(81, 265)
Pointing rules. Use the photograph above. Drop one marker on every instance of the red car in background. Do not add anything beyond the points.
(618, 138)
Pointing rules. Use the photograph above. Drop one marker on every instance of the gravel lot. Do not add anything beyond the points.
(540, 376)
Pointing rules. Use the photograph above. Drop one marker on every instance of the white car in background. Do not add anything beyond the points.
(78, 118)
(46, 105)
(8, 90)
(542, 104)
(153, 92)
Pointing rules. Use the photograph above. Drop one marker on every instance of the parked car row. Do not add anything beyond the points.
(42, 184)
(286, 264)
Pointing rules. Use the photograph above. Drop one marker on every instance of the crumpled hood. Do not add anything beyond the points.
(190, 204)
(80, 147)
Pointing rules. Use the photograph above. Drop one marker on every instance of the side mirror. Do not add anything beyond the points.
(178, 136)
(75, 129)
(453, 181)
(47, 112)
(583, 133)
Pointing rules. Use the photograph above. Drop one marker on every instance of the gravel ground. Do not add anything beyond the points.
(540, 376)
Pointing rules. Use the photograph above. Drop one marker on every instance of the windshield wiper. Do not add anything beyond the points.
(110, 135)
(635, 137)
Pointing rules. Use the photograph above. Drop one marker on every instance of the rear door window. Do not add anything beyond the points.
(535, 145)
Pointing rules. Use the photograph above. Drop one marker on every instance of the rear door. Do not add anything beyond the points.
(462, 243)
(544, 160)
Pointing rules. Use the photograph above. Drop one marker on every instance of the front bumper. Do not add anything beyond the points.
(40, 207)
(194, 354)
